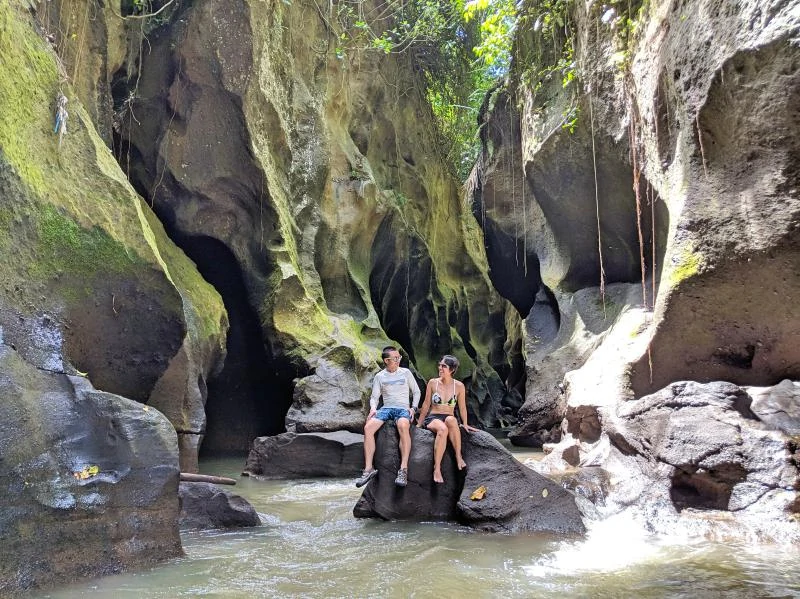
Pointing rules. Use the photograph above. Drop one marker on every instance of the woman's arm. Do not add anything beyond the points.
(462, 407)
(426, 405)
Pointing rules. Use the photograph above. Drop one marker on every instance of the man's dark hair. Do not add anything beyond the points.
(387, 350)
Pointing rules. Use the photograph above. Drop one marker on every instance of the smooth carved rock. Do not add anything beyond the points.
(97, 286)
(88, 480)
(306, 455)
(319, 189)
(778, 406)
(205, 505)
(516, 499)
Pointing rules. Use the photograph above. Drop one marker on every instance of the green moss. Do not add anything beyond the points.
(203, 306)
(66, 247)
(687, 265)
(5, 229)
(28, 71)
(86, 219)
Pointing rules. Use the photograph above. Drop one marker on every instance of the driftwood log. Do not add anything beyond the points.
(190, 477)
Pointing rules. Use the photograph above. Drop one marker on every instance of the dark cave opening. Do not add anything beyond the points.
(514, 274)
(397, 298)
(253, 392)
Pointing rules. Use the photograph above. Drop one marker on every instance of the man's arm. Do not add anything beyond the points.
(376, 393)
(412, 384)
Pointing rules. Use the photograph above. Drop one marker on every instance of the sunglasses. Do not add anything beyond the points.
(442, 365)
(397, 359)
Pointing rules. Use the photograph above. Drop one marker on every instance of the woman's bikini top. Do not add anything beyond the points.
(437, 399)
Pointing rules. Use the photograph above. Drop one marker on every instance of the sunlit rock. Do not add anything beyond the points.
(647, 162)
(692, 458)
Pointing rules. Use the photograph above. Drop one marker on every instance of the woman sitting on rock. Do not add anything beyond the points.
(442, 395)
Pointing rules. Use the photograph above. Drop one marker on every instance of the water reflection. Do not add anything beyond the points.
(311, 546)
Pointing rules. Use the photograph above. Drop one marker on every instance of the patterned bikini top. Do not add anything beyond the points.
(437, 399)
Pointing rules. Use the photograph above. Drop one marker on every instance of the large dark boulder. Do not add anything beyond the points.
(422, 499)
(88, 480)
(204, 505)
(516, 499)
(306, 455)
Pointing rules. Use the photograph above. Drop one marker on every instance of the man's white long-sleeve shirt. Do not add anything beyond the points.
(395, 387)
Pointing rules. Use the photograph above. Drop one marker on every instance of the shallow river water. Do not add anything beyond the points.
(311, 546)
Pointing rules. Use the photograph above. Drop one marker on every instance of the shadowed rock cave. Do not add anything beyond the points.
(710, 489)
(252, 393)
(513, 274)
(399, 300)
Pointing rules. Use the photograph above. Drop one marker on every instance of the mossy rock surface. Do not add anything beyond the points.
(95, 273)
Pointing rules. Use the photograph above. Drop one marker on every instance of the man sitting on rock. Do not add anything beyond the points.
(394, 384)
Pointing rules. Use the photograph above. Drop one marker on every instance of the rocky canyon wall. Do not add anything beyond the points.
(653, 151)
(96, 303)
(305, 181)
(316, 169)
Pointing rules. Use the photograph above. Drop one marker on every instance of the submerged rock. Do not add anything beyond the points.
(305, 455)
(204, 505)
(515, 498)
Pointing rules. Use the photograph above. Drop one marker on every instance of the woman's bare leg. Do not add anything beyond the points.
(439, 445)
(454, 434)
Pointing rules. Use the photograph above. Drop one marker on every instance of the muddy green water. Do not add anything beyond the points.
(311, 546)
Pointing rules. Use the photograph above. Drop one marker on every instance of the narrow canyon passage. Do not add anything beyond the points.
(252, 393)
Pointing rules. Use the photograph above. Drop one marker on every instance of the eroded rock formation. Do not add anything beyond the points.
(717, 198)
(88, 480)
(659, 213)
(90, 286)
(692, 458)
(96, 286)
(320, 176)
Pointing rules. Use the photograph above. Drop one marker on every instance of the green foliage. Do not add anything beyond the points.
(498, 20)
(548, 64)
(461, 49)
(625, 22)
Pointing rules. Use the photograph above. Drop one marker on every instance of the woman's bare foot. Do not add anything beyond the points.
(462, 464)
(437, 476)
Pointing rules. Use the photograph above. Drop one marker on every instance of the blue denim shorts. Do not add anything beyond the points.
(391, 414)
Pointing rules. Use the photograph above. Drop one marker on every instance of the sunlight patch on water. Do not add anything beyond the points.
(609, 545)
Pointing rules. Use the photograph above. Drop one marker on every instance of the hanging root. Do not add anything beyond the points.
(637, 192)
(597, 210)
(700, 140)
